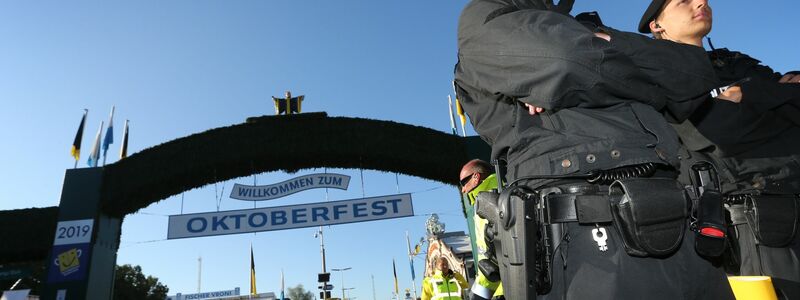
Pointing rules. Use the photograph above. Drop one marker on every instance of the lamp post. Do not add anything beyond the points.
(347, 289)
(341, 270)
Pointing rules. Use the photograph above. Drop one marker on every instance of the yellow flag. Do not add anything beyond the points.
(394, 269)
(461, 117)
(76, 144)
(252, 273)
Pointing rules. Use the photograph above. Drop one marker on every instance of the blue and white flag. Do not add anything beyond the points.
(109, 139)
(95, 154)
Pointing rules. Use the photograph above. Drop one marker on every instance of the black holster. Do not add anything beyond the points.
(650, 215)
(709, 226)
(773, 218)
(517, 235)
(708, 211)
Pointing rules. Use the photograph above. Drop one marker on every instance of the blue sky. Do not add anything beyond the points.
(174, 68)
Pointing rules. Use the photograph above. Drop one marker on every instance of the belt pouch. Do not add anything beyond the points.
(650, 214)
(773, 218)
(710, 229)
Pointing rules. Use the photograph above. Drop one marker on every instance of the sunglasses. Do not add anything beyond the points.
(466, 180)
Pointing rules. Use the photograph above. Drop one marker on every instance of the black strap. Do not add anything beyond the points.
(584, 209)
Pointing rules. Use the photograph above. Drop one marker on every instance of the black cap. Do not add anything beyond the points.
(650, 14)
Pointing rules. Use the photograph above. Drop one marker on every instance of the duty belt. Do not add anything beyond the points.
(584, 208)
(736, 199)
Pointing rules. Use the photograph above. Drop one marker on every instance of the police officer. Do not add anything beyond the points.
(444, 284)
(751, 133)
(596, 120)
(476, 176)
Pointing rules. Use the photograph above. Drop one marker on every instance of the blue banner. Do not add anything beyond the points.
(289, 217)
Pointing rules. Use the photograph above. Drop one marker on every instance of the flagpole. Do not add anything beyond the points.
(373, 287)
(411, 262)
(450, 112)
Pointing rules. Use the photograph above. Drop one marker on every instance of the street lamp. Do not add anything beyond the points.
(341, 270)
(347, 289)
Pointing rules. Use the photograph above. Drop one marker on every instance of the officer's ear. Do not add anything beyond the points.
(655, 28)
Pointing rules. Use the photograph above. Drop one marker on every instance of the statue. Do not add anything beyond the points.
(288, 105)
(433, 225)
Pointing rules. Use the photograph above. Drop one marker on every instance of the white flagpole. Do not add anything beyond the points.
(411, 262)
(450, 112)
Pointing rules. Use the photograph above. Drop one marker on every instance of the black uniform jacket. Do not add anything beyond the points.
(601, 99)
(756, 142)
(765, 123)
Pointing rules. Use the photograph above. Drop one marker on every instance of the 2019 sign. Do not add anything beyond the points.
(73, 232)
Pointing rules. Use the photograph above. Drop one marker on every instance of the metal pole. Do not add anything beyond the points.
(199, 271)
(411, 262)
(341, 270)
(343, 285)
(363, 193)
(322, 249)
(373, 287)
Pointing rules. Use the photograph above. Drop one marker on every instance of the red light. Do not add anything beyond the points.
(713, 232)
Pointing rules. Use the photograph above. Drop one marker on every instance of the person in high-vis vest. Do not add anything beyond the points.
(476, 176)
(444, 284)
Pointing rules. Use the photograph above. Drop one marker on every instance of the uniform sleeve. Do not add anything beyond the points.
(545, 59)
(761, 94)
(683, 73)
(427, 291)
(461, 281)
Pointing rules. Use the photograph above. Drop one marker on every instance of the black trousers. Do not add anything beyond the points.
(582, 271)
(782, 264)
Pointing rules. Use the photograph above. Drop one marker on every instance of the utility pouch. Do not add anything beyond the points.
(650, 214)
(489, 269)
(709, 226)
(773, 218)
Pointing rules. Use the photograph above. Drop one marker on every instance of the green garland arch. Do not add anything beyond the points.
(262, 144)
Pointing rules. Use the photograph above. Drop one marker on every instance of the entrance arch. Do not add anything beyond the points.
(262, 144)
(283, 143)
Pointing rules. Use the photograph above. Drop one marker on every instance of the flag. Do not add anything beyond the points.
(252, 272)
(396, 288)
(410, 257)
(282, 298)
(95, 154)
(462, 117)
(418, 246)
(76, 144)
(450, 112)
(123, 150)
(109, 138)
